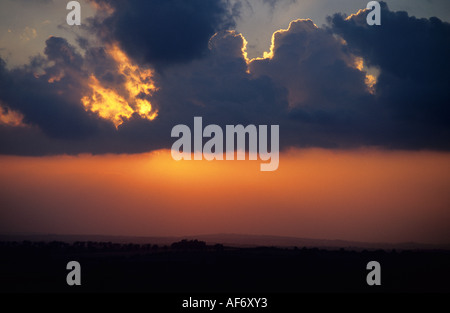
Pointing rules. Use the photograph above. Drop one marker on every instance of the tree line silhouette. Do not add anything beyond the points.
(195, 266)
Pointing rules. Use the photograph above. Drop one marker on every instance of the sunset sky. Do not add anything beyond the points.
(86, 114)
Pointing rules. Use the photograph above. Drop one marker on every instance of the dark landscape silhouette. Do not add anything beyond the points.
(192, 265)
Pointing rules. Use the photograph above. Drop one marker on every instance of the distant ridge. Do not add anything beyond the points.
(230, 240)
(242, 240)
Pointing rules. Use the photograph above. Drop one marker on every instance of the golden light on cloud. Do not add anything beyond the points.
(292, 25)
(55, 78)
(371, 78)
(107, 103)
(117, 107)
(244, 52)
(102, 7)
(9, 117)
(360, 11)
(370, 81)
(359, 63)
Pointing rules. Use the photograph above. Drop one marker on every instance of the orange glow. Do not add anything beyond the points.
(362, 195)
(111, 105)
(11, 118)
(370, 82)
(55, 78)
(102, 7)
(359, 63)
(370, 79)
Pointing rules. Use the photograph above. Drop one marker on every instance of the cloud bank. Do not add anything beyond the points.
(156, 64)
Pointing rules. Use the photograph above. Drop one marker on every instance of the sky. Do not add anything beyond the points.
(86, 114)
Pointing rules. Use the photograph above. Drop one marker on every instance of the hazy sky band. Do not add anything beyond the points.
(359, 195)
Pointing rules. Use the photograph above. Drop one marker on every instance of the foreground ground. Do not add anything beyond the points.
(192, 266)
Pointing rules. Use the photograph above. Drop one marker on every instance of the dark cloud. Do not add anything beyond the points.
(412, 56)
(53, 107)
(310, 86)
(329, 102)
(164, 32)
(219, 87)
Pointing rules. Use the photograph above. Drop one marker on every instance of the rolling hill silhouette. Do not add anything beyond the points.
(231, 240)
(239, 263)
